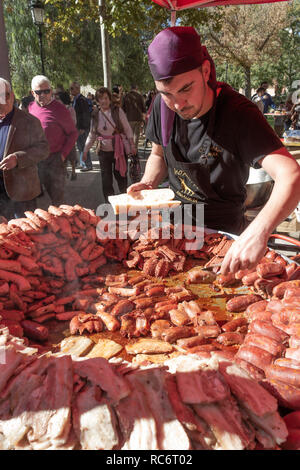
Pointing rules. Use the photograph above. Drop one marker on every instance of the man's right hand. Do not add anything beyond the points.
(134, 189)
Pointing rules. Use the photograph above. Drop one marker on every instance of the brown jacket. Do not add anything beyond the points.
(26, 139)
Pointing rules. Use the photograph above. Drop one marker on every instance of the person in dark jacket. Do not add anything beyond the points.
(83, 119)
(135, 109)
(23, 145)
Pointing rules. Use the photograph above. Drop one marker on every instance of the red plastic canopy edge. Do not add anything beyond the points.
(183, 4)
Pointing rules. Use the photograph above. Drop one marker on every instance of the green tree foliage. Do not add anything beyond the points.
(72, 41)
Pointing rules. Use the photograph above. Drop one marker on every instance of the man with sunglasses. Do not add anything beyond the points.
(61, 134)
(23, 145)
(205, 137)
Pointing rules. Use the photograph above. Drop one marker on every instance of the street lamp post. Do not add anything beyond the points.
(37, 12)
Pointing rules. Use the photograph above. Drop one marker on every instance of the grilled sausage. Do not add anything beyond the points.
(254, 355)
(266, 270)
(240, 303)
(267, 329)
(286, 375)
(34, 330)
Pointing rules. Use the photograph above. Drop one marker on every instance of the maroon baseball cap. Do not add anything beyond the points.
(174, 51)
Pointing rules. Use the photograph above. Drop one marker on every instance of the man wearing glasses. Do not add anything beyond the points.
(22, 146)
(61, 134)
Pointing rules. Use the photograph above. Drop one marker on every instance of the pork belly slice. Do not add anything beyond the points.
(171, 435)
(10, 360)
(272, 424)
(51, 414)
(196, 382)
(94, 421)
(248, 391)
(226, 432)
(100, 372)
(136, 420)
(16, 403)
(196, 428)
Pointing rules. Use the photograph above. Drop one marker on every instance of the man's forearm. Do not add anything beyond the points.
(155, 170)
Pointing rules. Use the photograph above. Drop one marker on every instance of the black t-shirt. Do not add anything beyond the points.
(241, 137)
(225, 142)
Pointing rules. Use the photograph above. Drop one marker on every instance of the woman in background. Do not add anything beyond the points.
(110, 126)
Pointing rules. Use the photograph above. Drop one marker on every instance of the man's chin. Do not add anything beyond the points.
(189, 114)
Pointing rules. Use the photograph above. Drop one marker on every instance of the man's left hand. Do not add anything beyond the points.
(244, 253)
(9, 162)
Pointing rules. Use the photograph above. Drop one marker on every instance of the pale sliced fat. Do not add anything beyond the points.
(105, 348)
(76, 345)
(94, 421)
(148, 346)
(171, 434)
(149, 198)
(136, 420)
(100, 372)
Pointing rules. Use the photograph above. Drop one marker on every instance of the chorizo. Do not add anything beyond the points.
(198, 276)
(240, 303)
(187, 343)
(250, 278)
(263, 315)
(209, 331)
(254, 372)
(243, 272)
(280, 289)
(34, 330)
(226, 280)
(229, 338)
(111, 322)
(172, 334)
(286, 394)
(123, 306)
(158, 327)
(235, 324)
(255, 356)
(264, 342)
(266, 270)
(287, 375)
(179, 318)
(292, 292)
(259, 306)
(267, 329)
(274, 306)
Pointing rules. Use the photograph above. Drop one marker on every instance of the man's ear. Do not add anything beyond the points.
(206, 70)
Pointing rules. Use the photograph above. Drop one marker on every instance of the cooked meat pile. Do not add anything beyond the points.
(65, 402)
(194, 382)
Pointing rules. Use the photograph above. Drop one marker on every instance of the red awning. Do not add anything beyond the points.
(182, 4)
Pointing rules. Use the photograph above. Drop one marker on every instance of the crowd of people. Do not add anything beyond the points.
(64, 126)
(286, 113)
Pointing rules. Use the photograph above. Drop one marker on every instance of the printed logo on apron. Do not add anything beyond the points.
(186, 184)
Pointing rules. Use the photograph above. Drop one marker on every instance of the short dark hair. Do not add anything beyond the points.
(64, 97)
(260, 89)
(101, 91)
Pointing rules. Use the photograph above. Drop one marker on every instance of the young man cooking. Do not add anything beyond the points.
(205, 137)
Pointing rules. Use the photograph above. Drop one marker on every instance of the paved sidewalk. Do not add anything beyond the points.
(86, 190)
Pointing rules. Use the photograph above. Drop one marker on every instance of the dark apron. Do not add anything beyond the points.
(191, 183)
